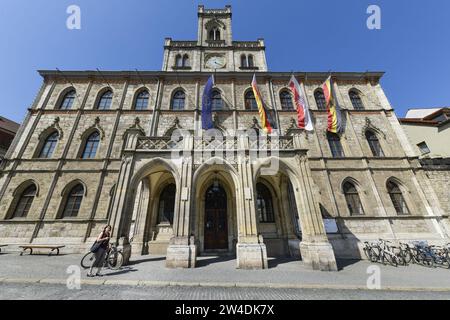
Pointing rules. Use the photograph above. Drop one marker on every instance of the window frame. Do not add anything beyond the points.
(335, 145)
(395, 196)
(105, 100)
(138, 105)
(178, 106)
(264, 204)
(73, 201)
(374, 144)
(25, 201)
(215, 104)
(68, 96)
(352, 199)
(321, 101)
(168, 193)
(52, 138)
(286, 96)
(250, 103)
(356, 100)
(91, 143)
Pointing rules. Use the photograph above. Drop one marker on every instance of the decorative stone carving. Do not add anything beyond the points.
(370, 126)
(97, 126)
(53, 126)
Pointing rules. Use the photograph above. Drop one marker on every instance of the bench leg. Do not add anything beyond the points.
(25, 249)
(57, 251)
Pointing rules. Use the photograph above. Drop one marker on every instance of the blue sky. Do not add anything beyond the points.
(412, 47)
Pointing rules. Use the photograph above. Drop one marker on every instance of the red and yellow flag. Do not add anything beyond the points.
(266, 122)
(334, 112)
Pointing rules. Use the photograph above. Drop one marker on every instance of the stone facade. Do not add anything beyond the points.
(138, 157)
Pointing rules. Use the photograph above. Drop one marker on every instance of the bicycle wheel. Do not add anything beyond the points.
(368, 253)
(425, 260)
(407, 257)
(87, 260)
(391, 259)
(115, 260)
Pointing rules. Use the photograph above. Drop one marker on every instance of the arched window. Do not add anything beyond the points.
(250, 101)
(374, 144)
(251, 63)
(264, 205)
(397, 198)
(352, 198)
(104, 103)
(186, 62)
(335, 145)
(24, 204)
(356, 100)
(214, 34)
(217, 103)
(244, 61)
(166, 206)
(141, 102)
(179, 61)
(320, 99)
(49, 145)
(68, 100)
(91, 146)
(178, 100)
(286, 100)
(73, 201)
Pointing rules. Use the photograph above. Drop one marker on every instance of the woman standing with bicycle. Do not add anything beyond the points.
(99, 248)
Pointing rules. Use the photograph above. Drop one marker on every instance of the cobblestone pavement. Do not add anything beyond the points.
(221, 272)
(114, 292)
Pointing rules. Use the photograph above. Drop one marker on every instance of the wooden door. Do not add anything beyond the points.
(216, 224)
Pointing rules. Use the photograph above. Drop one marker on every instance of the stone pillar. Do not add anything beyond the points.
(315, 248)
(120, 210)
(182, 250)
(251, 251)
(141, 209)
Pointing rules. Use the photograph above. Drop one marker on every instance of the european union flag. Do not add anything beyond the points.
(207, 122)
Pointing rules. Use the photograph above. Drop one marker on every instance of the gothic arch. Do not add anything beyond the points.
(62, 94)
(136, 94)
(100, 94)
(25, 184)
(72, 184)
(95, 127)
(52, 128)
(17, 193)
(353, 181)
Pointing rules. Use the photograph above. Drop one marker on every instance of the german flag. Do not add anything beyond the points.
(266, 118)
(334, 112)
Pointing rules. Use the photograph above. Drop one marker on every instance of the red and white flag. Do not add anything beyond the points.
(304, 118)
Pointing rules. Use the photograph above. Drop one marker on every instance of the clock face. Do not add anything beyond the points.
(215, 62)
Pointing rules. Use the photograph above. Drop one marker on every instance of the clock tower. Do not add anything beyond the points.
(214, 50)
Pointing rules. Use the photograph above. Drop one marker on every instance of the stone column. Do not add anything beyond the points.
(121, 203)
(315, 248)
(251, 251)
(182, 250)
(141, 210)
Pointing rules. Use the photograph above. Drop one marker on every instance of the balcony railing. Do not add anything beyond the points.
(278, 143)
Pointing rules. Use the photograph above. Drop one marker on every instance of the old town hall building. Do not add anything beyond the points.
(127, 148)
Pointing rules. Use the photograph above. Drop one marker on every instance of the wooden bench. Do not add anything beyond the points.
(41, 246)
(2, 246)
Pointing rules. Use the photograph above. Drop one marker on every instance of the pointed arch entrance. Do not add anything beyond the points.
(216, 221)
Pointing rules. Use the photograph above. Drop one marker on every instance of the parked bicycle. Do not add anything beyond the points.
(419, 252)
(113, 259)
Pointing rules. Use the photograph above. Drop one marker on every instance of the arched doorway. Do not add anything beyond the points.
(216, 222)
